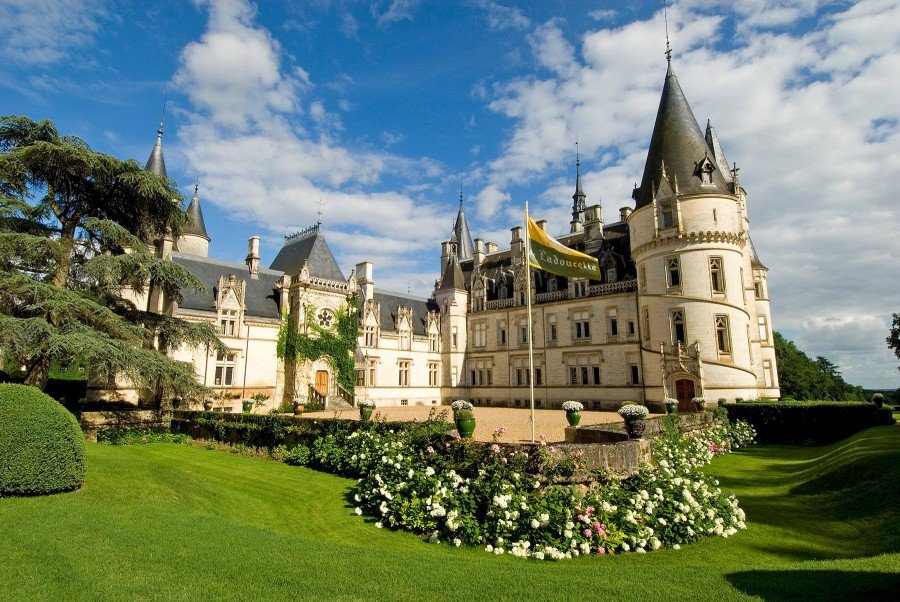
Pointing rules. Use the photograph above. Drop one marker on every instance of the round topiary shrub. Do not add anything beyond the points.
(41, 445)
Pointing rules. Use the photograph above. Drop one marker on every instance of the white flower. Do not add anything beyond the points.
(489, 548)
(429, 472)
(379, 524)
(676, 547)
(457, 542)
(535, 524)
(358, 510)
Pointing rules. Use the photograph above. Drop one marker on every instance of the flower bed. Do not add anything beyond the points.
(507, 501)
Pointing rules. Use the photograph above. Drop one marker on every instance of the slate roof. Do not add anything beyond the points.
(464, 245)
(678, 141)
(389, 304)
(155, 163)
(754, 258)
(452, 278)
(310, 248)
(197, 226)
(261, 294)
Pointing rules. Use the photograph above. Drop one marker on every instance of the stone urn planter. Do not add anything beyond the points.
(464, 418)
(699, 403)
(365, 410)
(634, 415)
(207, 406)
(246, 406)
(573, 412)
(635, 428)
(671, 406)
(299, 408)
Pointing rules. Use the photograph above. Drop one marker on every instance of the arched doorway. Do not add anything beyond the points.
(684, 393)
(322, 382)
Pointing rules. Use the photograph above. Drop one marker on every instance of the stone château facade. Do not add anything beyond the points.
(681, 309)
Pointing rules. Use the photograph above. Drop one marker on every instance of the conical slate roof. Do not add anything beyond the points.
(308, 247)
(197, 227)
(155, 163)
(465, 246)
(678, 141)
(579, 196)
(452, 278)
(755, 263)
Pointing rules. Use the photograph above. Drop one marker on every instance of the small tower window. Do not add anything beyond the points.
(678, 330)
(666, 215)
(673, 272)
(716, 274)
(723, 336)
(704, 170)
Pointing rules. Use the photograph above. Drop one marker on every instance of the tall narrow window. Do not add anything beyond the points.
(538, 379)
(582, 325)
(673, 271)
(454, 376)
(579, 288)
(612, 322)
(501, 332)
(635, 374)
(768, 377)
(723, 336)
(758, 289)
(373, 371)
(678, 331)
(763, 329)
(480, 333)
(584, 376)
(610, 274)
(573, 375)
(433, 374)
(645, 326)
(643, 278)
(228, 323)
(596, 370)
(454, 334)
(551, 328)
(371, 337)
(404, 373)
(716, 274)
(225, 363)
(666, 215)
(433, 341)
(523, 331)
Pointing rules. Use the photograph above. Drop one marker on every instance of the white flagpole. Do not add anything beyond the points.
(528, 303)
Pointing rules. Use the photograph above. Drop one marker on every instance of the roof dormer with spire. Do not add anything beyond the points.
(578, 199)
(194, 240)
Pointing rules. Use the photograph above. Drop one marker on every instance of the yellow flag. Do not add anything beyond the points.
(548, 254)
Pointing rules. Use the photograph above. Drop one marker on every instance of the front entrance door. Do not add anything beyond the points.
(684, 393)
(322, 382)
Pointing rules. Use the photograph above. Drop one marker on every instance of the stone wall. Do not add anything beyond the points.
(94, 422)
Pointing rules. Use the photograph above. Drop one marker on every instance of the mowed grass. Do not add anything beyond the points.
(173, 522)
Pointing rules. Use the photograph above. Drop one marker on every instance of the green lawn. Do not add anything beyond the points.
(177, 522)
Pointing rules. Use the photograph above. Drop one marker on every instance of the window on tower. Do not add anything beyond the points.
(717, 274)
(673, 272)
(678, 330)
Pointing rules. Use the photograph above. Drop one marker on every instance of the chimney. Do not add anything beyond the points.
(478, 258)
(517, 245)
(490, 247)
(542, 224)
(445, 255)
(365, 279)
(624, 212)
(253, 257)
(593, 228)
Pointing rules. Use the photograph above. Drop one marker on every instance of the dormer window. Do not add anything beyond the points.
(666, 215)
(610, 274)
(704, 170)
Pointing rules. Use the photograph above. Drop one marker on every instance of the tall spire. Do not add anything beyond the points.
(155, 163)
(718, 154)
(578, 199)
(465, 246)
(678, 142)
(197, 227)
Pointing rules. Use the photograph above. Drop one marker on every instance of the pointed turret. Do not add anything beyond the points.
(194, 240)
(155, 163)
(452, 278)
(578, 199)
(465, 246)
(197, 226)
(712, 140)
(678, 140)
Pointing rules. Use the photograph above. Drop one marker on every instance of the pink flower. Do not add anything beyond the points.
(601, 551)
(415, 419)
(551, 448)
(429, 449)
(504, 459)
(597, 526)
(495, 448)
(580, 518)
(579, 453)
(590, 509)
(588, 533)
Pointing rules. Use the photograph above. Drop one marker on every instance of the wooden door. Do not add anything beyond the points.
(684, 393)
(322, 382)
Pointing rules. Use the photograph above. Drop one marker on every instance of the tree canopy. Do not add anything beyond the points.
(74, 257)
(803, 378)
(893, 338)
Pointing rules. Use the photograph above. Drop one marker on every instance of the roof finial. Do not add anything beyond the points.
(577, 157)
(668, 46)
(319, 213)
(460, 195)
(162, 116)
(196, 186)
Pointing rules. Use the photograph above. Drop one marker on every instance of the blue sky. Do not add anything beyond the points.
(381, 110)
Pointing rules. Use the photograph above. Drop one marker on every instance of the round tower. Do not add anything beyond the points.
(690, 244)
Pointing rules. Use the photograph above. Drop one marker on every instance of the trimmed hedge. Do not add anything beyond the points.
(41, 445)
(271, 431)
(814, 422)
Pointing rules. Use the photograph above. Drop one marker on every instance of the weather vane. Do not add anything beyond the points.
(319, 213)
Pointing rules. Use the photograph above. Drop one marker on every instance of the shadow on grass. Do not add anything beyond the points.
(817, 585)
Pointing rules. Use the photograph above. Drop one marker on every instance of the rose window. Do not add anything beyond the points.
(325, 318)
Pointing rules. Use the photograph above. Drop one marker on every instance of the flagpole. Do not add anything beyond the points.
(528, 303)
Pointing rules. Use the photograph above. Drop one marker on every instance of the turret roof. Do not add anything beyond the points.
(197, 227)
(155, 163)
(465, 248)
(678, 141)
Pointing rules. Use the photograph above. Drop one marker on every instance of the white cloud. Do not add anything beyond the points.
(501, 17)
(266, 150)
(810, 116)
(489, 200)
(42, 32)
(398, 10)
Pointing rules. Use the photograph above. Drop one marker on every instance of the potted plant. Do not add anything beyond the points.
(699, 403)
(365, 410)
(634, 419)
(573, 409)
(259, 399)
(464, 418)
(299, 407)
(246, 405)
(671, 405)
(207, 405)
